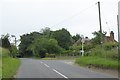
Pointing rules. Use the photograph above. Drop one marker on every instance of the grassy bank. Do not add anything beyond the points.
(100, 57)
(9, 65)
(97, 62)
(0, 63)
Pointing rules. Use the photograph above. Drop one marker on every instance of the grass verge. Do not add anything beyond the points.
(97, 62)
(60, 58)
(9, 67)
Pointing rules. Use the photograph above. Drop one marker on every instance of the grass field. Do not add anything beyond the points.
(9, 65)
(97, 62)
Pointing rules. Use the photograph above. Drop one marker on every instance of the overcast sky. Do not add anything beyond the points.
(18, 17)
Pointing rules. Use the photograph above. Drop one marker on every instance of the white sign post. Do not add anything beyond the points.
(83, 40)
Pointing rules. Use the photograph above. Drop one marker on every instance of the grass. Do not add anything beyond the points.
(100, 58)
(0, 69)
(60, 58)
(9, 65)
(97, 62)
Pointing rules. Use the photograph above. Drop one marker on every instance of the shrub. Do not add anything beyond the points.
(101, 52)
(110, 45)
(50, 55)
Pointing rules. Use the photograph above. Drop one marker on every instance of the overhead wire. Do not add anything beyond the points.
(64, 20)
(106, 20)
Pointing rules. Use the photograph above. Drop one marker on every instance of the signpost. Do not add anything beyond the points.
(83, 40)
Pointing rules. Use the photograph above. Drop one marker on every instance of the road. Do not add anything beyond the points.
(34, 68)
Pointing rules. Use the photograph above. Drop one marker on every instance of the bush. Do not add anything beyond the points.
(50, 55)
(42, 53)
(110, 45)
(14, 51)
(44, 45)
(101, 52)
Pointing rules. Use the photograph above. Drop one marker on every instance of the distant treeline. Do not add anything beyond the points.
(46, 41)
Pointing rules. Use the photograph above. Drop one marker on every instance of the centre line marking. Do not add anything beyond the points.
(46, 65)
(60, 74)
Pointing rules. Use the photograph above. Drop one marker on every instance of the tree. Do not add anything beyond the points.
(76, 37)
(5, 41)
(63, 37)
(42, 46)
(97, 39)
(26, 41)
(14, 51)
(46, 32)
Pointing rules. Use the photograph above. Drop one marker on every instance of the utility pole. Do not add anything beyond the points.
(100, 22)
(118, 20)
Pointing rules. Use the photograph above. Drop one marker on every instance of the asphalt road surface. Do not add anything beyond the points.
(34, 68)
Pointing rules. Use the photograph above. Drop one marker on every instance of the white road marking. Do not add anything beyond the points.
(46, 65)
(60, 74)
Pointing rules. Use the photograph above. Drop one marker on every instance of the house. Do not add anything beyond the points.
(110, 38)
(88, 41)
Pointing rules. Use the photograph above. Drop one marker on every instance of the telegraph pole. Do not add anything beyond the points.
(118, 20)
(100, 21)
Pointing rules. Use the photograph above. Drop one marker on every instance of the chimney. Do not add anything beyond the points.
(112, 35)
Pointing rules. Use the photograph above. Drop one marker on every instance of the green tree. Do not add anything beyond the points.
(46, 32)
(76, 37)
(26, 41)
(5, 43)
(63, 37)
(97, 39)
(14, 51)
(44, 45)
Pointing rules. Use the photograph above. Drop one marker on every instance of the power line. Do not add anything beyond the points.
(74, 15)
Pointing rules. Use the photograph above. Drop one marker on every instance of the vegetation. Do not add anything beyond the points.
(47, 41)
(0, 63)
(95, 61)
(9, 64)
(63, 37)
(101, 56)
(76, 37)
(4, 41)
(97, 39)
(60, 43)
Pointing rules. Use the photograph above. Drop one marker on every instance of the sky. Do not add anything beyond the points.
(18, 17)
